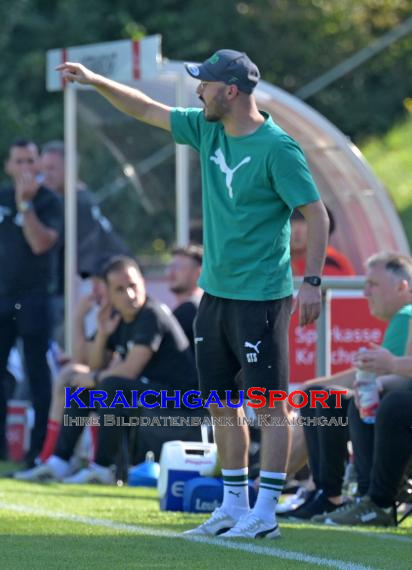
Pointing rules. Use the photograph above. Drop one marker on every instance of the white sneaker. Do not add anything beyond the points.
(251, 526)
(55, 469)
(93, 474)
(294, 501)
(219, 522)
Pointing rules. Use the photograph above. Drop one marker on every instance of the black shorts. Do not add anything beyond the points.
(242, 344)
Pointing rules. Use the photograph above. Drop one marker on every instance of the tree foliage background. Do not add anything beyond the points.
(293, 42)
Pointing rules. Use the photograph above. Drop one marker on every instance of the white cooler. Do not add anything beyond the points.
(181, 461)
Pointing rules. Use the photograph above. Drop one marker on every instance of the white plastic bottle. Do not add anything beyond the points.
(368, 394)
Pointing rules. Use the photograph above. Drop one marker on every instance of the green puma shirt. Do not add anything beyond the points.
(250, 185)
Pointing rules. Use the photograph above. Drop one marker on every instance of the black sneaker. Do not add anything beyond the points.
(319, 505)
(362, 512)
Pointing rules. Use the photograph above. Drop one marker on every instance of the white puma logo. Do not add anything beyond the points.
(220, 160)
(254, 346)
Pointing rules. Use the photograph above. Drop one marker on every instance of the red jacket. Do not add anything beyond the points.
(336, 264)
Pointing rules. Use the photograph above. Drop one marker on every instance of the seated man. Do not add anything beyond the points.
(183, 275)
(392, 442)
(388, 290)
(155, 354)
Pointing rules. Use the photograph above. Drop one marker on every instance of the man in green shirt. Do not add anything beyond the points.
(253, 176)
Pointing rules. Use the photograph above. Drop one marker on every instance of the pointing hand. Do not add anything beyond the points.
(76, 72)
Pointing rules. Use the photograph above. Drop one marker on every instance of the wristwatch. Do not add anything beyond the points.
(24, 206)
(313, 280)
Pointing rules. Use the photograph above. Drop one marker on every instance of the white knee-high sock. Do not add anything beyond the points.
(235, 491)
(270, 489)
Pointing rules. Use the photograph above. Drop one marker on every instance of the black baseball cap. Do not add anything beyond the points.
(229, 66)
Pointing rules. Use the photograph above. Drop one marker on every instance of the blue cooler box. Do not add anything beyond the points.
(204, 494)
(172, 500)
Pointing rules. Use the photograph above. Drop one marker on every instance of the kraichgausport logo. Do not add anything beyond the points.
(255, 398)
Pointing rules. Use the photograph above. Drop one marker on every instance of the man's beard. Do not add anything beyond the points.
(212, 118)
(219, 109)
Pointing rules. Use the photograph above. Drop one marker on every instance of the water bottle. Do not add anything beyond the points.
(145, 474)
(350, 482)
(368, 394)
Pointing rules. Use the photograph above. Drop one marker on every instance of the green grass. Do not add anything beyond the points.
(37, 530)
(391, 159)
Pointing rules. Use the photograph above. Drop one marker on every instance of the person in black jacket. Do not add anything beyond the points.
(96, 237)
(31, 224)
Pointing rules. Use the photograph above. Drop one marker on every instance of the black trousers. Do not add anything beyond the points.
(243, 344)
(27, 317)
(327, 445)
(382, 451)
(70, 433)
(362, 436)
(110, 437)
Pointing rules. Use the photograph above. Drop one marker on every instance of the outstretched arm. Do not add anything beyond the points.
(128, 100)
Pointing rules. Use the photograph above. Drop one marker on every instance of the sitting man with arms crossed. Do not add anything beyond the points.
(392, 449)
(155, 354)
(388, 291)
(383, 448)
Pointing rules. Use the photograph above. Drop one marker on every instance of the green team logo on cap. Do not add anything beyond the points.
(213, 59)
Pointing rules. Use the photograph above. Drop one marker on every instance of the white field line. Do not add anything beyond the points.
(147, 531)
(361, 531)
